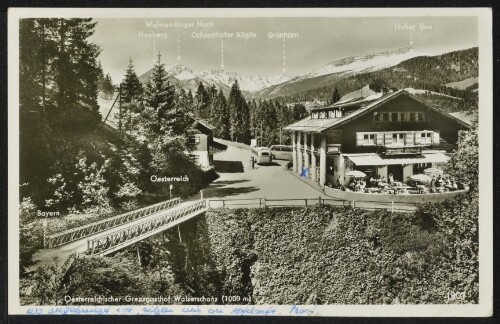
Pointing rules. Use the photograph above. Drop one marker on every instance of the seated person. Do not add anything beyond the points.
(391, 178)
(439, 182)
(340, 182)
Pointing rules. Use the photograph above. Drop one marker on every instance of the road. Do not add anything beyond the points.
(239, 181)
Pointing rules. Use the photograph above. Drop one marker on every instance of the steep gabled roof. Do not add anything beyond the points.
(203, 126)
(205, 123)
(309, 124)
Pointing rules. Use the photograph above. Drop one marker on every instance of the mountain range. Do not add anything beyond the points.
(256, 86)
(184, 76)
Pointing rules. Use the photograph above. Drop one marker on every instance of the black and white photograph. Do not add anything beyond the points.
(287, 162)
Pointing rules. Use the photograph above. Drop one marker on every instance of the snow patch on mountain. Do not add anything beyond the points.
(181, 72)
(247, 83)
(422, 91)
(220, 78)
(367, 63)
(358, 94)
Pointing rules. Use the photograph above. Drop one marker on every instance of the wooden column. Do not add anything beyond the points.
(294, 145)
(322, 161)
(313, 160)
(299, 153)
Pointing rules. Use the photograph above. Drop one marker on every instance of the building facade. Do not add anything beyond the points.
(394, 133)
(203, 141)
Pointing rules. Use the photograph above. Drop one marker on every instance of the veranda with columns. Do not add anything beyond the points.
(309, 156)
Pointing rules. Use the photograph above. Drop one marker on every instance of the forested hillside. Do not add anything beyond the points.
(69, 163)
(423, 72)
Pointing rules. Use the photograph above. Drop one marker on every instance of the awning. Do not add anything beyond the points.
(374, 159)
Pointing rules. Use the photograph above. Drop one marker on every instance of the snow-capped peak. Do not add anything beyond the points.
(181, 72)
(247, 83)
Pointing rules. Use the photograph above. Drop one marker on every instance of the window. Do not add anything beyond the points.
(194, 140)
(398, 117)
(398, 138)
(426, 137)
(369, 139)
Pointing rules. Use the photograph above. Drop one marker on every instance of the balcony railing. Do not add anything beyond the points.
(402, 149)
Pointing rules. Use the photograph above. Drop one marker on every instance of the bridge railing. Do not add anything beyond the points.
(305, 202)
(77, 233)
(134, 233)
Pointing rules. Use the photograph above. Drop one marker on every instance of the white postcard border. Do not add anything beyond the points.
(485, 306)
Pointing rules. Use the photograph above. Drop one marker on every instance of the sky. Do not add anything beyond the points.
(311, 42)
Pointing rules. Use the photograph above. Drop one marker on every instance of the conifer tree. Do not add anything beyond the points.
(159, 94)
(131, 86)
(76, 70)
(224, 118)
(107, 87)
(335, 95)
(244, 131)
(234, 110)
(58, 88)
(167, 125)
(190, 96)
(202, 102)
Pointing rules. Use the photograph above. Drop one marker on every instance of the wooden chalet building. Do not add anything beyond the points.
(203, 139)
(380, 134)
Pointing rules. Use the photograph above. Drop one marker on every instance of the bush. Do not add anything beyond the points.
(333, 255)
(93, 187)
(27, 210)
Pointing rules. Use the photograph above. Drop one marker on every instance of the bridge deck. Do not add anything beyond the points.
(46, 256)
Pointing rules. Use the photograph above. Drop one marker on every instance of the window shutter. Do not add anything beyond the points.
(418, 138)
(380, 139)
(435, 138)
(359, 139)
(410, 138)
(388, 138)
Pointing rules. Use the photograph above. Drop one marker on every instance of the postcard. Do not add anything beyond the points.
(253, 162)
